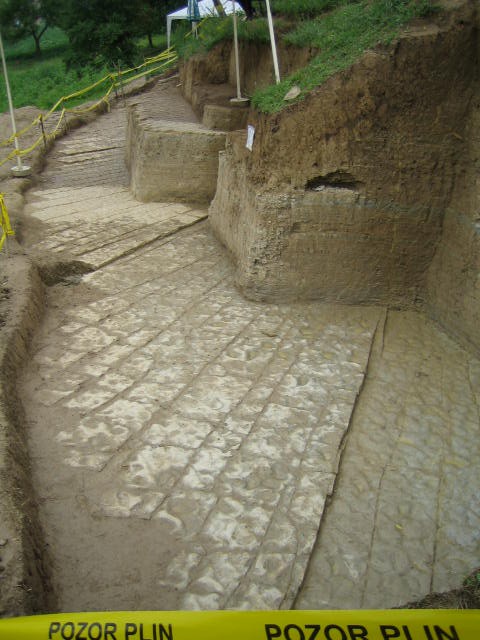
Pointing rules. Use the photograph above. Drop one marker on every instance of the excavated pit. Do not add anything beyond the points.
(193, 449)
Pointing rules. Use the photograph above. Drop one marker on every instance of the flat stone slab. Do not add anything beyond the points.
(83, 208)
(192, 449)
(162, 396)
(405, 519)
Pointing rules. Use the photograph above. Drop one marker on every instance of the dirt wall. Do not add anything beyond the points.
(453, 291)
(24, 585)
(211, 78)
(345, 194)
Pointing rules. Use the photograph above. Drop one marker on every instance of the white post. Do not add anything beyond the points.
(235, 41)
(20, 170)
(272, 40)
(10, 103)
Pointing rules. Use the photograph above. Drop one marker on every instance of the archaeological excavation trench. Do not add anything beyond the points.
(262, 425)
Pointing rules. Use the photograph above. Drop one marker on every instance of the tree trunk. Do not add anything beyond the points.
(38, 51)
(150, 40)
(37, 37)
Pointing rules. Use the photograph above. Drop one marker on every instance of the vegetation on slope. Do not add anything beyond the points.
(341, 37)
(341, 30)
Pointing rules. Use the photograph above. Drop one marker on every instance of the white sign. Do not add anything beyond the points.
(250, 137)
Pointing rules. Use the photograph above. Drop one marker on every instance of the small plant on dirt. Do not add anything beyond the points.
(473, 580)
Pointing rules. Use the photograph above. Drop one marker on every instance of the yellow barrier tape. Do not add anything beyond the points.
(397, 624)
(25, 152)
(81, 92)
(10, 156)
(92, 107)
(116, 80)
(4, 222)
(144, 73)
(20, 133)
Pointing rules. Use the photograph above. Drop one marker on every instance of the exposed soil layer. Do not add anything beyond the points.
(357, 192)
(24, 584)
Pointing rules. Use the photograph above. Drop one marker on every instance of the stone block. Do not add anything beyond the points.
(172, 161)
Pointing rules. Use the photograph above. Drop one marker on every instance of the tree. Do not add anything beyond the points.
(22, 18)
(100, 31)
(104, 31)
(152, 15)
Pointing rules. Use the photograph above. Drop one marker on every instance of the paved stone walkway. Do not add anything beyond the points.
(82, 203)
(192, 449)
(405, 517)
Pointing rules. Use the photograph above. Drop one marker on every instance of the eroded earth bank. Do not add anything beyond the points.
(292, 420)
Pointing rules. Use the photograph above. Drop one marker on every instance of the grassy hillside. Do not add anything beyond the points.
(341, 30)
(341, 34)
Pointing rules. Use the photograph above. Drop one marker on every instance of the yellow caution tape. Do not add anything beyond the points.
(20, 133)
(406, 624)
(4, 223)
(115, 80)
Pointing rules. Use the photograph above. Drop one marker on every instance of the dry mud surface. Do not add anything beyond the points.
(191, 449)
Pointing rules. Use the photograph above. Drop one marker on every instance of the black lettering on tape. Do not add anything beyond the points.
(95, 631)
(330, 632)
(428, 635)
(110, 631)
(389, 631)
(272, 631)
(79, 635)
(444, 635)
(406, 631)
(164, 633)
(297, 632)
(68, 631)
(130, 629)
(315, 629)
(53, 629)
(357, 632)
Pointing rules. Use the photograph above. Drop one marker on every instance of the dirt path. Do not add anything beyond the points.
(185, 442)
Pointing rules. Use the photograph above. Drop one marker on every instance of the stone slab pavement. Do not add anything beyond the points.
(195, 450)
(404, 519)
(82, 209)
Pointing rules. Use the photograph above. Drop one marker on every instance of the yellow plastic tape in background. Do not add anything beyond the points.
(4, 222)
(406, 624)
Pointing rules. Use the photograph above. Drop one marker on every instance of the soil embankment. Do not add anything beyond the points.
(365, 192)
(155, 403)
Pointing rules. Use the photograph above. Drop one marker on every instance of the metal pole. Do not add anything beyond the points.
(10, 104)
(235, 40)
(272, 40)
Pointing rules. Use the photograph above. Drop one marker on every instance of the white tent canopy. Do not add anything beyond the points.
(206, 8)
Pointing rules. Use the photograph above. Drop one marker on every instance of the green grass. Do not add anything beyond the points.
(341, 36)
(302, 8)
(341, 30)
(41, 81)
(211, 32)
